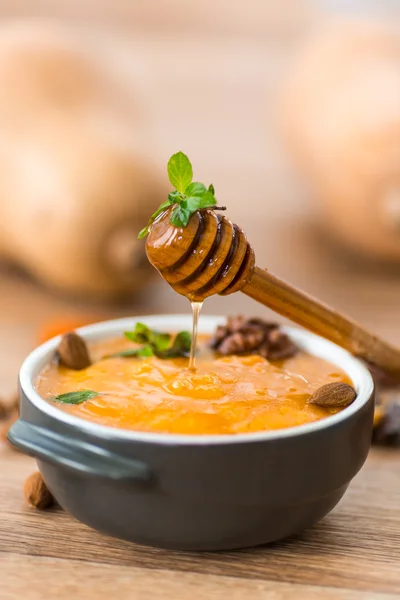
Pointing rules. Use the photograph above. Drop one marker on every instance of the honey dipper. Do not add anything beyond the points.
(211, 255)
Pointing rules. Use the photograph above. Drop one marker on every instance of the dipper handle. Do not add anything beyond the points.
(211, 255)
(322, 320)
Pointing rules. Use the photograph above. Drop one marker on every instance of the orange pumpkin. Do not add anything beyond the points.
(74, 184)
(342, 123)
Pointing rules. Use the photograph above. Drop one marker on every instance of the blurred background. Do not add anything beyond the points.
(291, 109)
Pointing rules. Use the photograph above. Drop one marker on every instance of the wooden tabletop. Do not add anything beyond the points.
(353, 553)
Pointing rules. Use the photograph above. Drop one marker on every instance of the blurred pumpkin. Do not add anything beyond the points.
(342, 121)
(74, 189)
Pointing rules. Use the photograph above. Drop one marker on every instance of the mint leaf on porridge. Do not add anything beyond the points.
(76, 397)
(154, 343)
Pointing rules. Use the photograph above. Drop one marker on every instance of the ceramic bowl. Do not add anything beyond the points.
(193, 492)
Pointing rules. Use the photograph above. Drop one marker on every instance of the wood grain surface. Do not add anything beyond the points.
(352, 553)
(206, 79)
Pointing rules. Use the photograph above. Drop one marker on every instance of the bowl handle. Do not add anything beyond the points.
(78, 455)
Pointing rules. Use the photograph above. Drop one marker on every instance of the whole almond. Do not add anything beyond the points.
(36, 492)
(334, 394)
(73, 352)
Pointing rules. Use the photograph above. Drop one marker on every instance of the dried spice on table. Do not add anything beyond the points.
(386, 430)
(387, 418)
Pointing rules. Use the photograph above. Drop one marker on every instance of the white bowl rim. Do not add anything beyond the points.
(318, 346)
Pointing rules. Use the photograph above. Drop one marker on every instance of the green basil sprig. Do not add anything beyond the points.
(188, 196)
(155, 343)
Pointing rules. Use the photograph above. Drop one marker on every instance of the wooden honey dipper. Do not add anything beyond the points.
(211, 255)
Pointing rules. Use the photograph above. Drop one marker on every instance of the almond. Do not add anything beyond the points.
(36, 492)
(334, 394)
(73, 352)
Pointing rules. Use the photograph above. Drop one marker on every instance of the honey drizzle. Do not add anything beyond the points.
(196, 308)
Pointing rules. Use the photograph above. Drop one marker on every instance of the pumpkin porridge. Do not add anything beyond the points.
(127, 387)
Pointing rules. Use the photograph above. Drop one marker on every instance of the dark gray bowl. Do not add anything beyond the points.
(195, 492)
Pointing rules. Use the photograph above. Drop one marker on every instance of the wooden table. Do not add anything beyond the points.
(353, 553)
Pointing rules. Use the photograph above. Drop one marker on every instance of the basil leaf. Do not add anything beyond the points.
(124, 353)
(175, 197)
(143, 232)
(180, 216)
(76, 397)
(145, 351)
(142, 352)
(144, 335)
(180, 172)
(161, 341)
(180, 347)
(211, 189)
(160, 209)
(195, 189)
(156, 343)
(140, 335)
(182, 343)
(206, 200)
(130, 335)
